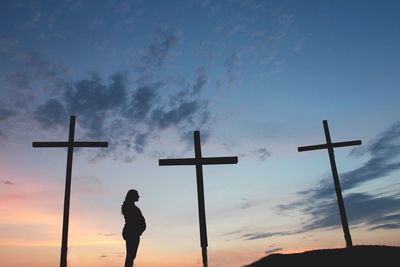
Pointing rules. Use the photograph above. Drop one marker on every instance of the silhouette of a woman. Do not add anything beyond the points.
(135, 225)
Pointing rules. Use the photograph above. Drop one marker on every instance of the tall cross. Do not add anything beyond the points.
(329, 145)
(70, 145)
(199, 161)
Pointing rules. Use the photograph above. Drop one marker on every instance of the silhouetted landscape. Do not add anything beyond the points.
(382, 256)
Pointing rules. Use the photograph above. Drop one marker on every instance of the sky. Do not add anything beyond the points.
(257, 78)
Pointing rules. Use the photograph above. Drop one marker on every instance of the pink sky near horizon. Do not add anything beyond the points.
(31, 231)
(31, 223)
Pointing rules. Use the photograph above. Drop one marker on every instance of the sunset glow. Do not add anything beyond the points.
(256, 78)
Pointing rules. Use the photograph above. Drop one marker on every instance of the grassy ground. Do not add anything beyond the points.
(357, 256)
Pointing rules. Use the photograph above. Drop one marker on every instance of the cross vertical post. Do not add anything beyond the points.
(342, 210)
(200, 198)
(329, 145)
(199, 161)
(67, 195)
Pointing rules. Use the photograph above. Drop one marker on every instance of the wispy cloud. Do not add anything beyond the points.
(386, 226)
(376, 211)
(51, 114)
(7, 45)
(232, 68)
(106, 234)
(261, 154)
(384, 152)
(361, 209)
(261, 235)
(31, 79)
(272, 250)
(5, 114)
(157, 53)
(232, 233)
(6, 182)
(245, 203)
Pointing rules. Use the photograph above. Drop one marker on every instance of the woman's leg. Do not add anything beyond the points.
(132, 245)
(129, 259)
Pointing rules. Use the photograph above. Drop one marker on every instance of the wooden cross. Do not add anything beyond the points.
(329, 145)
(199, 161)
(70, 145)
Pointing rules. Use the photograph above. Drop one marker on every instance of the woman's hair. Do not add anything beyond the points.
(131, 196)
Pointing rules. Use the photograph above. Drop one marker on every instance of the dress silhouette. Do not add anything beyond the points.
(135, 225)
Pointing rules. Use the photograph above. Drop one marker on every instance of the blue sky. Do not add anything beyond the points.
(255, 77)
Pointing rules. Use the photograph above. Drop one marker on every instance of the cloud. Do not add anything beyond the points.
(140, 141)
(188, 90)
(106, 234)
(5, 114)
(386, 226)
(232, 67)
(379, 211)
(299, 44)
(360, 209)
(261, 235)
(51, 114)
(384, 152)
(93, 100)
(200, 82)
(128, 114)
(245, 203)
(387, 219)
(31, 79)
(262, 153)
(18, 88)
(232, 233)
(19, 80)
(375, 211)
(32, 65)
(7, 45)
(142, 101)
(147, 112)
(272, 250)
(156, 54)
(7, 182)
(184, 112)
(43, 68)
(74, 5)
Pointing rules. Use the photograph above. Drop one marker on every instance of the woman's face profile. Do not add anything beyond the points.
(133, 195)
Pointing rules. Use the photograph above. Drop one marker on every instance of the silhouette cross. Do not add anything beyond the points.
(70, 145)
(329, 145)
(199, 161)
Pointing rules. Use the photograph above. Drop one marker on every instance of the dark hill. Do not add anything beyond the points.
(357, 256)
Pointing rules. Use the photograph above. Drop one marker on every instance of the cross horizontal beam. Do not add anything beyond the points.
(66, 144)
(194, 161)
(322, 146)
